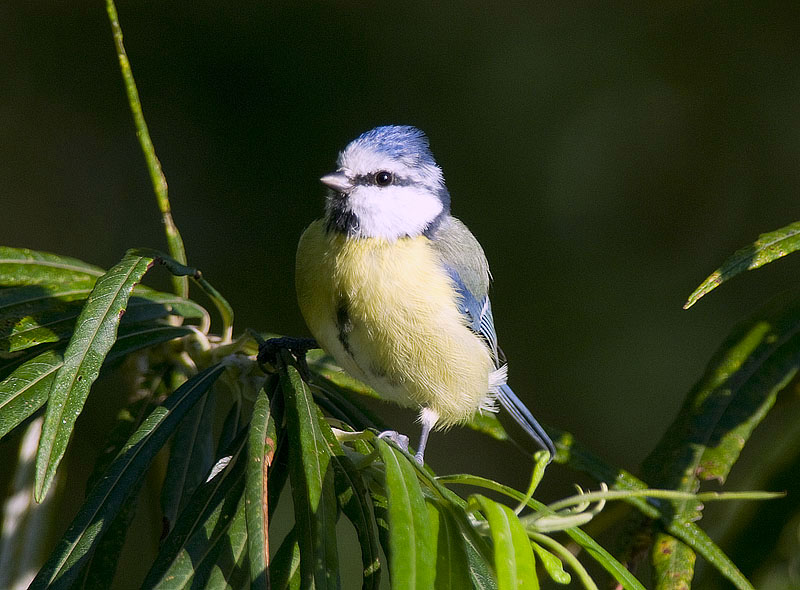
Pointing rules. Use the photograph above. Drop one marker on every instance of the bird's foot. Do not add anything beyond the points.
(401, 440)
(298, 347)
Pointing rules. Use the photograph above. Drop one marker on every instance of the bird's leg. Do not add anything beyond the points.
(268, 351)
(428, 419)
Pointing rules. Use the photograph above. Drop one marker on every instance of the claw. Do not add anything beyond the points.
(298, 347)
(401, 440)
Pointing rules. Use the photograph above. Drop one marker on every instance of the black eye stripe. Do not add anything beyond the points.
(369, 180)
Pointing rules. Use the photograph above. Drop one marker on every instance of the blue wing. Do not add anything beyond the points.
(478, 313)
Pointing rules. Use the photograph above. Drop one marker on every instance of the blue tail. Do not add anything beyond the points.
(512, 404)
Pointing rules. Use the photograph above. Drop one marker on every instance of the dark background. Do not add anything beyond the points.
(608, 157)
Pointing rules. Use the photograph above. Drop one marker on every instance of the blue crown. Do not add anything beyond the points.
(402, 142)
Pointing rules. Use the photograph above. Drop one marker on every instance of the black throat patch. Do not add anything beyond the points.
(340, 218)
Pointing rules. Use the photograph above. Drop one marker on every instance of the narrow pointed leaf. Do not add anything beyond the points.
(452, 565)
(101, 566)
(201, 523)
(739, 387)
(513, 555)
(412, 560)
(26, 389)
(34, 315)
(222, 563)
(231, 425)
(20, 266)
(228, 559)
(95, 334)
(262, 444)
(353, 499)
(191, 457)
(195, 563)
(109, 495)
(313, 490)
(12, 361)
(552, 565)
(768, 247)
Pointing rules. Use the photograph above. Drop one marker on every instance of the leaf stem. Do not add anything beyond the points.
(174, 241)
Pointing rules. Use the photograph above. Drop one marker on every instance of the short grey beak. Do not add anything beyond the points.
(338, 181)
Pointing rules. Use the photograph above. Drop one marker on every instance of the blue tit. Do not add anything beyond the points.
(396, 289)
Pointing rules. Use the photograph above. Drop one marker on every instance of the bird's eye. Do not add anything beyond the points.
(383, 178)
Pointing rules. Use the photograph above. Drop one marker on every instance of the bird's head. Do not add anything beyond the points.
(387, 185)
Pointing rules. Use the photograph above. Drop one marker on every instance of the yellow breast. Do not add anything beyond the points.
(388, 313)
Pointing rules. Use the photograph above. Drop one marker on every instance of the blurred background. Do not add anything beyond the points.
(607, 156)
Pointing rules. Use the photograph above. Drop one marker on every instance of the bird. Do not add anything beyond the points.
(395, 288)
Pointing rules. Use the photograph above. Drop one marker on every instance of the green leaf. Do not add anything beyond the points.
(284, 569)
(488, 423)
(111, 492)
(313, 491)
(579, 457)
(20, 266)
(452, 565)
(513, 555)
(673, 562)
(765, 249)
(323, 365)
(133, 338)
(33, 314)
(95, 335)
(224, 564)
(201, 523)
(739, 387)
(412, 559)
(347, 405)
(552, 565)
(603, 557)
(98, 573)
(26, 389)
(190, 459)
(353, 499)
(262, 443)
(28, 317)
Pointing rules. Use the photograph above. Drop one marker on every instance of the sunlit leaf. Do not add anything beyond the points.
(353, 499)
(412, 560)
(768, 247)
(20, 266)
(313, 491)
(262, 443)
(513, 555)
(25, 390)
(739, 387)
(37, 314)
(581, 538)
(95, 334)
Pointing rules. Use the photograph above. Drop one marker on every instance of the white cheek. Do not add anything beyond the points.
(393, 212)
